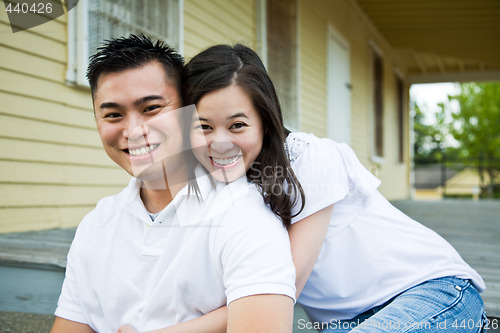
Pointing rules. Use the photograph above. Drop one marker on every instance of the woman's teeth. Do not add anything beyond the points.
(142, 151)
(225, 161)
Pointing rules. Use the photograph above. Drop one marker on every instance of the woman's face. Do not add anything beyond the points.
(227, 133)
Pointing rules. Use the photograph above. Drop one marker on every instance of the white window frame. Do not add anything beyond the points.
(78, 41)
(263, 49)
(334, 36)
(374, 48)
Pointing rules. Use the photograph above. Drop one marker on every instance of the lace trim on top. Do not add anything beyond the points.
(294, 147)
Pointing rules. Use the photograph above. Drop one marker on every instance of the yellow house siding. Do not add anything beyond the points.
(52, 33)
(361, 97)
(53, 169)
(346, 18)
(315, 16)
(218, 22)
(394, 174)
(312, 58)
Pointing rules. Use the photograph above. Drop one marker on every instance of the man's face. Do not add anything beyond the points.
(138, 119)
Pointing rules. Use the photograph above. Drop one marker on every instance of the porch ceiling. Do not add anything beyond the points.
(441, 40)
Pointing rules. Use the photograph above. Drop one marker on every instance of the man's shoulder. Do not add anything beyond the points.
(97, 217)
(111, 203)
(247, 207)
(104, 212)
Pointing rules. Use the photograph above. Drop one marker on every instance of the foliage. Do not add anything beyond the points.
(428, 142)
(476, 126)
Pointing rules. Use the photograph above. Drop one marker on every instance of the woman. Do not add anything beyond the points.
(362, 266)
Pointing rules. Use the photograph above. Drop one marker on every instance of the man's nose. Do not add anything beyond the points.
(135, 128)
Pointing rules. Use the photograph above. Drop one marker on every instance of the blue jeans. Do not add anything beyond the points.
(441, 305)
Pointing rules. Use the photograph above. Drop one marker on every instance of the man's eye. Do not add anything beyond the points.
(112, 115)
(152, 108)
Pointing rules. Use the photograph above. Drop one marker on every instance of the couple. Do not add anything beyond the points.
(200, 239)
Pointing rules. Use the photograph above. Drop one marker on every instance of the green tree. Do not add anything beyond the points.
(476, 126)
(428, 142)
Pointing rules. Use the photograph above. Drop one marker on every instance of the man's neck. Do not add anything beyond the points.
(159, 194)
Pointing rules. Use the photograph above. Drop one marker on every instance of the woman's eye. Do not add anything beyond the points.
(202, 127)
(238, 125)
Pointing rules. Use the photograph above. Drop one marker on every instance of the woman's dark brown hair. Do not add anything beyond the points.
(221, 66)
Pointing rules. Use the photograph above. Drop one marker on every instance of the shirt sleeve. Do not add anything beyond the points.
(68, 306)
(255, 252)
(328, 172)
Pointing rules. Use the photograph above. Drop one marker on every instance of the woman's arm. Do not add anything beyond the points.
(306, 239)
(274, 313)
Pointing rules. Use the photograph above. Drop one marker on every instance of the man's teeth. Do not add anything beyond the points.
(142, 151)
(224, 161)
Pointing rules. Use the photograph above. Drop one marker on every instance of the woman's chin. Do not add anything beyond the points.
(229, 175)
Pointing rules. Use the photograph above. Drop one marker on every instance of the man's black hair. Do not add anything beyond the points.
(134, 51)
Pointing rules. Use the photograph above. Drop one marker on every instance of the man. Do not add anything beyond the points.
(155, 255)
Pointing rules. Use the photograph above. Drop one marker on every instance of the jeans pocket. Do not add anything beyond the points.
(451, 295)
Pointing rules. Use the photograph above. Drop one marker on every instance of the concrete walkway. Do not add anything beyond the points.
(473, 228)
(32, 264)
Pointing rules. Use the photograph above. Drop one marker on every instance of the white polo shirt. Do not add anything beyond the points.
(372, 251)
(196, 256)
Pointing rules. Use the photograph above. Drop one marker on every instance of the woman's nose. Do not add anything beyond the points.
(221, 147)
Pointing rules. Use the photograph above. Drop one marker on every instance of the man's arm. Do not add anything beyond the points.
(213, 322)
(62, 325)
(258, 313)
(261, 313)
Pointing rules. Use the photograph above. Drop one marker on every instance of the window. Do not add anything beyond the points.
(93, 21)
(400, 86)
(281, 22)
(378, 107)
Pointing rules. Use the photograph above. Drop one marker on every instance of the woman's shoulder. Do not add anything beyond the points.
(298, 144)
(320, 162)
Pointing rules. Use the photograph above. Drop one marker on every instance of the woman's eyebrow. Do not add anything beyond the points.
(237, 115)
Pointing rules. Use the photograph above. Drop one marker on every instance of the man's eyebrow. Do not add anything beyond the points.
(114, 105)
(148, 98)
(109, 105)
